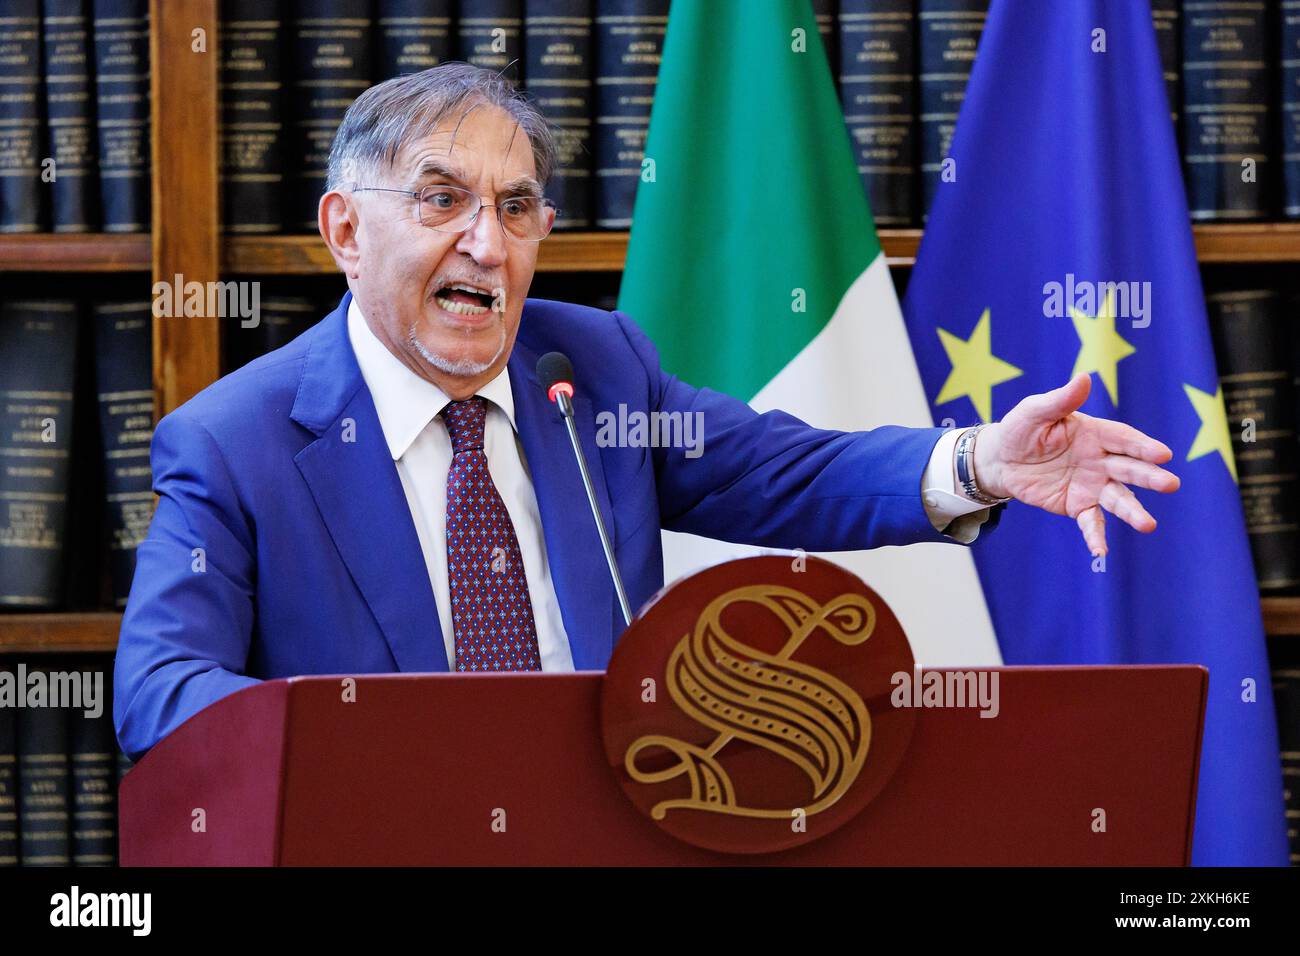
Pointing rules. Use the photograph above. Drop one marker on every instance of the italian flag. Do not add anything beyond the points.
(754, 266)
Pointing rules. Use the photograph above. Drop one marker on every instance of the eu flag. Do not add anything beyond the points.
(1059, 243)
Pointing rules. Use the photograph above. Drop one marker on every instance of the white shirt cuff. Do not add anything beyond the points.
(946, 504)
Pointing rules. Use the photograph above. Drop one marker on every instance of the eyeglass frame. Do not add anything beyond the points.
(417, 193)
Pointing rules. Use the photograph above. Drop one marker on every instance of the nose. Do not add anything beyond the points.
(484, 241)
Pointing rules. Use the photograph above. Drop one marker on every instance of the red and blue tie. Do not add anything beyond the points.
(491, 613)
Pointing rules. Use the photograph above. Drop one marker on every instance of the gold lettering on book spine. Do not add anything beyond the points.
(797, 712)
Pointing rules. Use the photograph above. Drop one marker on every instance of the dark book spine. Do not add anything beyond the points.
(8, 777)
(557, 62)
(826, 13)
(121, 29)
(1252, 347)
(252, 127)
(490, 34)
(414, 35)
(1225, 110)
(1286, 700)
(949, 32)
(93, 754)
(877, 87)
(70, 106)
(124, 388)
(282, 319)
(37, 372)
(629, 48)
(43, 785)
(1164, 16)
(332, 41)
(1290, 60)
(20, 117)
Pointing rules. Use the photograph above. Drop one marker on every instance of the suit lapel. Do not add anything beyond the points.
(355, 484)
(578, 568)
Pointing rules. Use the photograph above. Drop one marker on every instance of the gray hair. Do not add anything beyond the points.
(393, 113)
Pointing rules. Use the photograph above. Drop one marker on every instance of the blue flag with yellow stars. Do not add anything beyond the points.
(1059, 242)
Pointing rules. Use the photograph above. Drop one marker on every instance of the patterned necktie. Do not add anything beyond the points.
(491, 613)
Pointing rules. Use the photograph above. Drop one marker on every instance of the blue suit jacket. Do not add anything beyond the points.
(280, 548)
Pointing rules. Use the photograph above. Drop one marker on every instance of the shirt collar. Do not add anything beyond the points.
(405, 402)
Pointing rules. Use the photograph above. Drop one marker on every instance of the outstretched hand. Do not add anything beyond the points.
(1047, 453)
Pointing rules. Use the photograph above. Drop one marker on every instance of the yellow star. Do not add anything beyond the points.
(1100, 347)
(975, 369)
(1213, 435)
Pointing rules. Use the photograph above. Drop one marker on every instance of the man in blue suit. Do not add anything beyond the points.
(394, 491)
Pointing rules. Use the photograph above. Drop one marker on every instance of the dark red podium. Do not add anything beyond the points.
(418, 768)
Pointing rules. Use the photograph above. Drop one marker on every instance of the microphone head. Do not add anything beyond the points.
(555, 374)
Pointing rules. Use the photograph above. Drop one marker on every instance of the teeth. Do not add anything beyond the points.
(470, 288)
(460, 308)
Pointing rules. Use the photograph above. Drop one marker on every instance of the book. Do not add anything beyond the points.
(92, 752)
(414, 35)
(1165, 19)
(1226, 104)
(8, 778)
(1252, 349)
(826, 13)
(1290, 81)
(38, 344)
(124, 389)
(877, 89)
(283, 319)
(121, 32)
(70, 112)
(948, 37)
(490, 34)
(332, 44)
(252, 127)
(43, 785)
(629, 48)
(21, 143)
(558, 64)
(1285, 670)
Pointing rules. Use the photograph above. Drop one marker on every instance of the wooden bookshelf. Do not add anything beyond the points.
(75, 252)
(185, 238)
(89, 631)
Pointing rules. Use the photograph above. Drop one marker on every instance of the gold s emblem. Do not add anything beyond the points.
(793, 710)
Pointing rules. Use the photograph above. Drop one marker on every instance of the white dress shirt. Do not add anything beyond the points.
(408, 408)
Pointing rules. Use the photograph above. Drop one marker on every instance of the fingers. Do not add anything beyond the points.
(1093, 525)
(1122, 439)
(1123, 504)
(1131, 471)
(1059, 402)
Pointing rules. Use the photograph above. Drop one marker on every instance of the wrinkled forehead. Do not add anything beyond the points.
(479, 145)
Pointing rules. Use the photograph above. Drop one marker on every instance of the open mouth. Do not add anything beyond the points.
(461, 298)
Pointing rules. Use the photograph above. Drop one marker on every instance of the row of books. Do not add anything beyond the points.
(901, 66)
(60, 765)
(74, 116)
(77, 130)
(1256, 333)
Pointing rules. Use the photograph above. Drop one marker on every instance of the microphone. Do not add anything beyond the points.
(555, 373)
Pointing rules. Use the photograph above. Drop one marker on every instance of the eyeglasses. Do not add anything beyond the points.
(452, 209)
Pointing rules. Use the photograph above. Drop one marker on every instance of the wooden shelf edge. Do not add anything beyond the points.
(1281, 616)
(607, 251)
(75, 252)
(61, 632)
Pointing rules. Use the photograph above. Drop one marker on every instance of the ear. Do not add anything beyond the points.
(337, 220)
